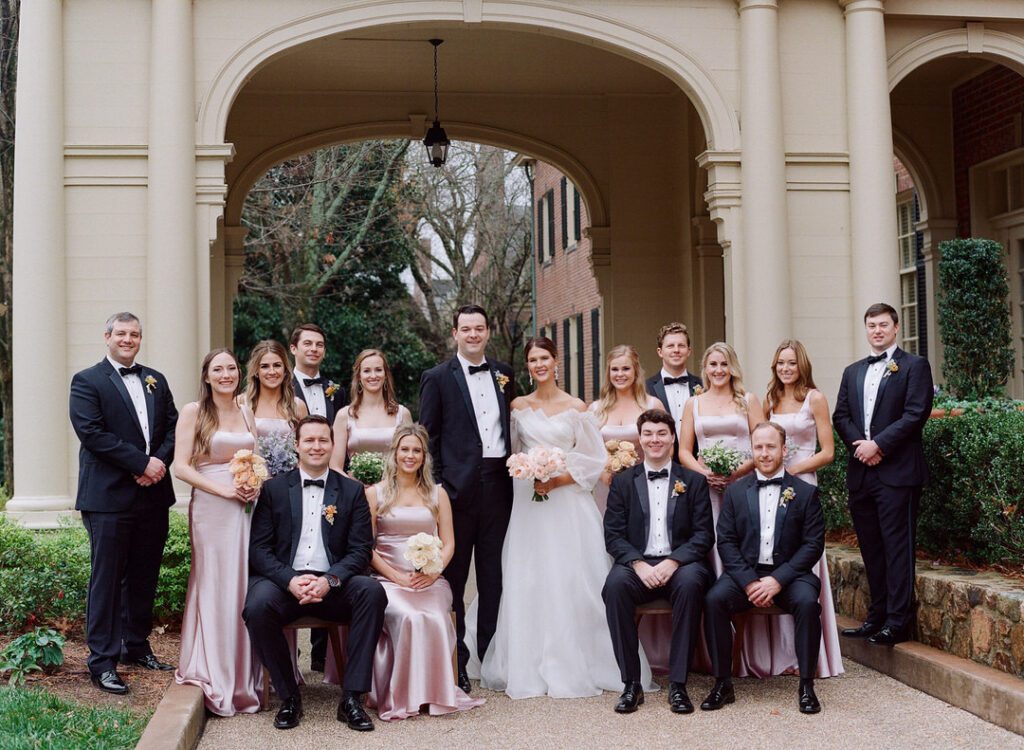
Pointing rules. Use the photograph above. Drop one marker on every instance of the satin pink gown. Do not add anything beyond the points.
(802, 443)
(618, 432)
(216, 653)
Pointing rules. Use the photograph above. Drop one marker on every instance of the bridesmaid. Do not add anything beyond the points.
(794, 402)
(412, 667)
(623, 399)
(270, 392)
(370, 421)
(215, 651)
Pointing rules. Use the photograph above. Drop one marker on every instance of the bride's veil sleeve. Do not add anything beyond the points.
(586, 459)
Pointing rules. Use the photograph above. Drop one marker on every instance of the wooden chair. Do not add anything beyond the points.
(656, 607)
(332, 637)
(739, 623)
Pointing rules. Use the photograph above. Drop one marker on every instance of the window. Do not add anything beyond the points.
(570, 215)
(546, 227)
(908, 274)
(577, 359)
(595, 348)
(568, 358)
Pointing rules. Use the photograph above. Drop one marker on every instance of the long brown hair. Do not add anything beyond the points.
(387, 391)
(739, 393)
(388, 488)
(207, 421)
(286, 394)
(804, 381)
(609, 395)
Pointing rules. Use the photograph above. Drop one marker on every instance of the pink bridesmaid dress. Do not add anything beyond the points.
(802, 443)
(618, 432)
(215, 651)
(371, 439)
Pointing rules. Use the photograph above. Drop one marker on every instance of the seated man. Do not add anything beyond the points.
(310, 543)
(658, 529)
(771, 533)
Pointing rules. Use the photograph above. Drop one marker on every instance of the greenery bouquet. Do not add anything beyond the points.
(366, 467)
(721, 460)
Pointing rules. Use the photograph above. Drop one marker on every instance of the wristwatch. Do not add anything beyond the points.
(332, 580)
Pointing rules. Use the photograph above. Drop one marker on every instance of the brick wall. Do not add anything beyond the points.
(566, 286)
(987, 113)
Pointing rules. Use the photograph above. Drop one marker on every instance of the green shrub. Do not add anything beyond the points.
(42, 649)
(174, 570)
(32, 719)
(974, 317)
(832, 490)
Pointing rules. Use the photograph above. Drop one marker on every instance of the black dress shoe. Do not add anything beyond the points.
(351, 711)
(866, 630)
(464, 684)
(808, 700)
(289, 714)
(316, 665)
(110, 682)
(631, 697)
(151, 662)
(678, 701)
(720, 694)
(887, 637)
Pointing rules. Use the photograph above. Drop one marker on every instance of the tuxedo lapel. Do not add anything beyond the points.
(754, 511)
(460, 381)
(122, 389)
(331, 494)
(150, 403)
(297, 387)
(295, 500)
(780, 512)
(670, 510)
(857, 397)
(640, 483)
(502, 406)
(660, 392)
(886, 377)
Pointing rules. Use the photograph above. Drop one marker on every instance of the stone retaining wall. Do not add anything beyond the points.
(978, 616)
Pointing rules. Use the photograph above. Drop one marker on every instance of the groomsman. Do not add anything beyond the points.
(658, 529)
(884, 402)
(464, 404)
(674, 385)
(324, 397)
(771, 533)
(310, 544)
(124, 416)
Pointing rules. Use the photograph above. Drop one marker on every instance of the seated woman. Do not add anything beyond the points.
(412, 668)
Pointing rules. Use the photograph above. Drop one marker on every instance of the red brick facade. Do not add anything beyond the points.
(567, 297)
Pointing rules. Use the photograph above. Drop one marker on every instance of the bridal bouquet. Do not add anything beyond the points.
(621, 455)
(539, 463)
(366, 467)
(424, 552)
(721, 460)
(278, 450)
(248, 469)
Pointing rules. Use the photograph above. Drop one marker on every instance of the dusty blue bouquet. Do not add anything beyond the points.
(278, 450)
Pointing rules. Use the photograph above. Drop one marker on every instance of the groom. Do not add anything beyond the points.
(464, 404)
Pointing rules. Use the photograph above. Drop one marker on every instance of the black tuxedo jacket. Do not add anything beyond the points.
(113, 449)
(446, 410)
(277, 523)
(334, 404)
(902, 407)
(799, 532)
(656, 387)
(627, 519)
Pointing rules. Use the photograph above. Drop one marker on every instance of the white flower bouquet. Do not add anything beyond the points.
(721, 460)
(538, 464)
(424, 552)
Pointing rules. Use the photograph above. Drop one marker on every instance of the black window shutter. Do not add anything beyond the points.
(580, 377)
(565, 215)
(550, 198)
(554, 335)
(566, 357)
(577, 229)
(539, 234)
(595, 349)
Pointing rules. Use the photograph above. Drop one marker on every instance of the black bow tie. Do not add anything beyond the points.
(652, 475)
(766, 482)
(133, 370)
(312, 381)
(681, 380)
(876, 358)
(313, 483)
(474, 369)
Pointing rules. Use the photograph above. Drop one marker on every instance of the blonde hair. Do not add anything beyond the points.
(356, 388)
(206, 420)
(736, 374)
(387, 490)
(609, 395)
(286, 395)
(804, 381)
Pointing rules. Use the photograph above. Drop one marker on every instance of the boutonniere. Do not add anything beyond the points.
(501, 379)
(787, 494)
(697, 390)
(678, 488)
(150, 383)
(891, 368)
(329, 512)
(330, 390)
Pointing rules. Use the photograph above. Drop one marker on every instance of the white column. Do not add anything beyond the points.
(171, 327)
(763, 173)
(873, 232)
(41, 445)
(234, 265)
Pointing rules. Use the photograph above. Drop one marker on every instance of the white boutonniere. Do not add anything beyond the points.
(787, 494)
(329, 512)
(150, 384)
(501, 379)
(678, 488)
(891, 368)
(697, 390)
(330, 390)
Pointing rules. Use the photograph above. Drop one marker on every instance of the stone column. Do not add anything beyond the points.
(171, 332)
(873, 229)
(40, 387)
(763, 173)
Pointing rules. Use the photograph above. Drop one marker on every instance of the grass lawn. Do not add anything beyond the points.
(33, 718)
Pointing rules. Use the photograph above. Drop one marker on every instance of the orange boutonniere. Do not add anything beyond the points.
(331, 389)
(329, 512)
(697, 390)
(678, 488)
(891, 368)
(501, 379)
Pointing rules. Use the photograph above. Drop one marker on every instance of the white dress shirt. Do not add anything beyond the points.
(872, 380)
(310, 554)
(483, 394)
(677, 395)
(316, 402)
(138, 395)
(658, 544)
(768, 499)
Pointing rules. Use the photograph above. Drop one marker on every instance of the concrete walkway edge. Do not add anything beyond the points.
(177, 722)
(988, 693)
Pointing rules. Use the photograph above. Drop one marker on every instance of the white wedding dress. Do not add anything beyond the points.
(552, 636)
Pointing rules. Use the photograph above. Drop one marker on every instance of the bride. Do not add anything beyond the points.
(552, 636)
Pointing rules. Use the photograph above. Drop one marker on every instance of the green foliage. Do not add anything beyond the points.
(174, 570)
(33, 719)
(974, 318)
(42, 649)
(832, 489)
(366, 467)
